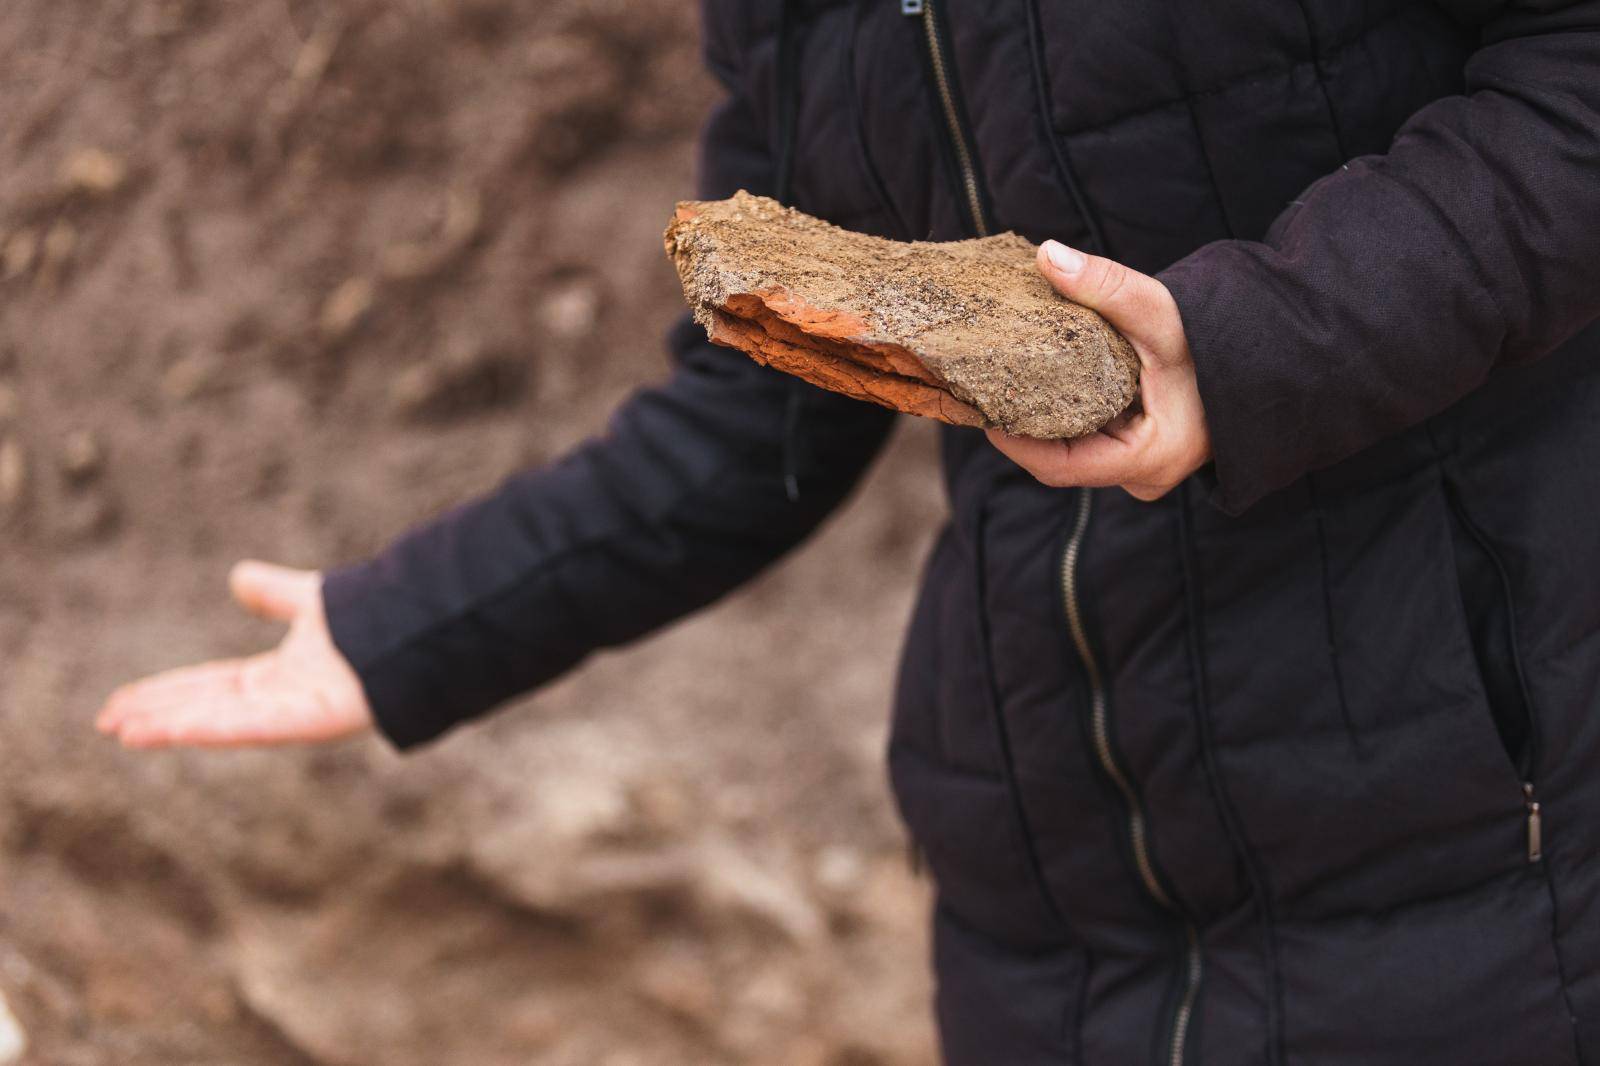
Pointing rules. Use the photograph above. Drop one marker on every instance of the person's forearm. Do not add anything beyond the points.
(1393, 287)
(686, 497)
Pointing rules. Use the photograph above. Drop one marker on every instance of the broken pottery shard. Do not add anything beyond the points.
(967, 332)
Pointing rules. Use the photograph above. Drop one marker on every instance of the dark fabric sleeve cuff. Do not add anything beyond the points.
(1244, 467)
(401, 689)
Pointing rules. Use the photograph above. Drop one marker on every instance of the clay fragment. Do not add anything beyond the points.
(967, 332)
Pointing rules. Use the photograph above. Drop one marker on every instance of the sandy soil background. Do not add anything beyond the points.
(280, 278)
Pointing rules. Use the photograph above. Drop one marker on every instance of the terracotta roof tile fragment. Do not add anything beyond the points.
(967, 332)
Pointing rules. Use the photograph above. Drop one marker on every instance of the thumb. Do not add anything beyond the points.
(1136, 304)
(275, 592)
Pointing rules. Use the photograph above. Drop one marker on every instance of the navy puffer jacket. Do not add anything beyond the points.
(1299, 765)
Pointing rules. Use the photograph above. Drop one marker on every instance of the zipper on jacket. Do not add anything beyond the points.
(1138, 828)
(939, 57)
(1193, 970)
(1530, 800)
(1526, 760)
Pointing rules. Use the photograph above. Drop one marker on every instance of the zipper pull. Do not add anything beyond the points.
(910, 7)
(1535, 823)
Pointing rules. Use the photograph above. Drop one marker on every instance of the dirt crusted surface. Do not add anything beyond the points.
(966, 332)
(280, 279)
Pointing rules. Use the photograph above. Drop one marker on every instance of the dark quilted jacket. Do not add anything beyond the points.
(1297, 765)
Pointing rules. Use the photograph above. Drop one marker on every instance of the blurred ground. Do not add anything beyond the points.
(280, 278)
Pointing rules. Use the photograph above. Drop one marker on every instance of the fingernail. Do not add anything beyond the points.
(1067, 260)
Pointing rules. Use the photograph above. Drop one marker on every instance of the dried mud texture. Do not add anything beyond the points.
(282, 280)
(966, 332)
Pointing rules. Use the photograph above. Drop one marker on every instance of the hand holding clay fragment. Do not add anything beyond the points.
(967, 332)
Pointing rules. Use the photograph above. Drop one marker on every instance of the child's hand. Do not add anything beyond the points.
(300, 692)
(1160, 441)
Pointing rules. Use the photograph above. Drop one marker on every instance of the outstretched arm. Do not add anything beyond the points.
(687, 496)
(697, 485)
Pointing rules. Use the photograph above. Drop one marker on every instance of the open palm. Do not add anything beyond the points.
(302, 691)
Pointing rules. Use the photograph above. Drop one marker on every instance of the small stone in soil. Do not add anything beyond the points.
(19, 252)
(13, 1041)
(569, 311)
(839, 869)
(82, 456)
(94, 171)
(190, 376)
(13, 474)
(345, 307)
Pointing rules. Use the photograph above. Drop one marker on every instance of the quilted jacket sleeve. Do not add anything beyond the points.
(1395, 285)
(698, 484)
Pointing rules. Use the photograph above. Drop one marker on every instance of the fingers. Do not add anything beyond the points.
(208, 705)
(1139, 306)
(1152, 447)
(199, 723)
(222, 723)
(234, 720)
(164, 688)
(275, 592)
(1097, 460)
(139, 712)
(1138, 455)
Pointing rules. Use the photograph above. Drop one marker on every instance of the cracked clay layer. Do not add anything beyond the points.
(967, 332)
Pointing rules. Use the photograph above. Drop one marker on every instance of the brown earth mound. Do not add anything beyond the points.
(281, 280)
(967, 332)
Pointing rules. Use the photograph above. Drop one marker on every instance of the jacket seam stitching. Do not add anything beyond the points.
(1238, 81)
(1276, 1051)
(1318, 519)
(880, 189)
(1319, 70)
(1020, 822)
(1064, 169)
